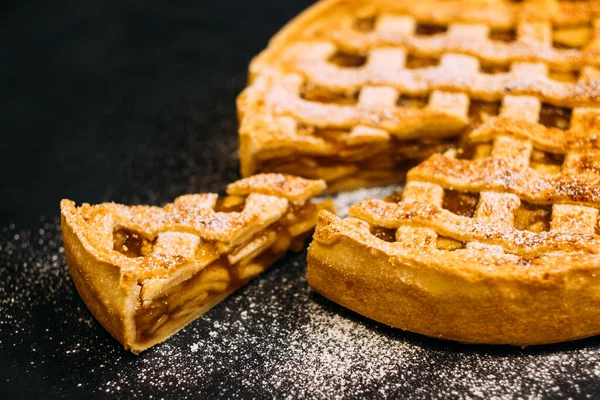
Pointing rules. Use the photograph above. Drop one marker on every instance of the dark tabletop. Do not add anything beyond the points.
(134, 102)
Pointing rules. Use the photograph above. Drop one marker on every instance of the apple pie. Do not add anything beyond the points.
(145, 272)
(355, 92)
(495, 242)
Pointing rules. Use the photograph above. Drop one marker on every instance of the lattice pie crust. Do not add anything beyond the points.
(145, 272)
(496, 240)
(355, 92)
(499, 243)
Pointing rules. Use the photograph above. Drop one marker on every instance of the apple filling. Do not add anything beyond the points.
(374, 164)
(364, 163)
(229, 268)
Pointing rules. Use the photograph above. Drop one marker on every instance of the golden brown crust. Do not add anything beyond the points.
(451, 298)
(483, 298)
(93, 280)
(499, 175)
(333, 19)
(515, 260)
(466, 229)
(295, 189)
(121, 257)
(583, 133)
(335, 87)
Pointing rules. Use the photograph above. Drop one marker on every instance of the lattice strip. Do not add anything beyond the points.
(420, 237)
(492, 174)
(500, 208)
(392, 25)
(573, 218)
(498, 14)
(313, 64)
(420, 218)
(583, 134)
(177, 243)
(402, 122)
(533, 42)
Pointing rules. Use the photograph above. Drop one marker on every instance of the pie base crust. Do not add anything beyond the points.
(459, 302)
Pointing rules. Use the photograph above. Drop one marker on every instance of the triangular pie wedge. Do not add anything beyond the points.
(145, 272)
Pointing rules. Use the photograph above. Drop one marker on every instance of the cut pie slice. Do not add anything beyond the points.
(354, 92)
(145, 272)
(498, 242)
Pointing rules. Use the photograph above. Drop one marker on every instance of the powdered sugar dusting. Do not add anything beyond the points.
(344, 200)
(273, 338)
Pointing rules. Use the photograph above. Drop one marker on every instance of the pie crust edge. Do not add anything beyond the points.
(512, 306)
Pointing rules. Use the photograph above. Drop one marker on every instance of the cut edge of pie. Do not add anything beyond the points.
(145, 272)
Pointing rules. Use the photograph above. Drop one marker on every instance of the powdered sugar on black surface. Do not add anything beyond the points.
(273, 338)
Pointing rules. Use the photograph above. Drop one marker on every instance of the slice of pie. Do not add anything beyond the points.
(354, 92)
(145, 272)
(497, 242)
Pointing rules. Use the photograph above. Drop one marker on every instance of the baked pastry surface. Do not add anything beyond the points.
(497, 242)
(354, 92)
(145, 272)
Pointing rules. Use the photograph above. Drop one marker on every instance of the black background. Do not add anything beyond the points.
(94, 93)
(134, 102)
